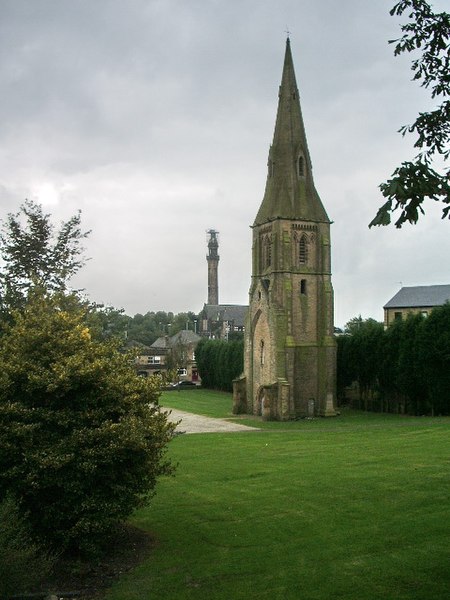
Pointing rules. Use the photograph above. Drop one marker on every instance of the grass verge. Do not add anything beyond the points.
(210, 403)
(356, 512)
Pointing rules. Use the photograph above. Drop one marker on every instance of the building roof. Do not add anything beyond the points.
(162, 342)
(226, 312)
(290, 192)
(185, 336)
(421, 295)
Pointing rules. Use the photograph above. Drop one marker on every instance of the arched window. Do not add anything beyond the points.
(303, 250)
(301, 166)
(266, 251)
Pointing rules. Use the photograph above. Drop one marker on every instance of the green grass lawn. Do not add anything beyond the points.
(199, 401)
(330, 511)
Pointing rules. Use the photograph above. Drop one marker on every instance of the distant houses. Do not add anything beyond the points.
(218, 321)
(414, 300)
(175, 353)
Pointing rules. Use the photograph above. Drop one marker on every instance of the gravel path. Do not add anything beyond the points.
(191, 423)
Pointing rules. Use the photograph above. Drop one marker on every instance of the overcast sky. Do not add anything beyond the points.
(154, 117)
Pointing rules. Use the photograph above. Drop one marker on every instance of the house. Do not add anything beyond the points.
(413, 300)
(178, 353)
(175, 353)
(149, 360)
(218, 321)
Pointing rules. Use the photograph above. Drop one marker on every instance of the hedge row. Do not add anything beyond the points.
(405, 368)
(219, 362)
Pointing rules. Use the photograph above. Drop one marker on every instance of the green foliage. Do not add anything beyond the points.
(358, 356)
(178, 356)
(23, 564)
(435, 358)
(219, 362)
(34, 253)
(107, 322)
(82, 437)
(147, 328)
(415, 181)
(403, 369)
(346, 373)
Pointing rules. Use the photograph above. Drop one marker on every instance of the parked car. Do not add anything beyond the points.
(184, 384)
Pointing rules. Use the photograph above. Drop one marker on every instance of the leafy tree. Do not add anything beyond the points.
(183, 320)
(83, 438)
(346, 373)
(435, 357)
(411, 380)
(415, 181)
(219, 362)
(178, 356)
(361, 359)
(107, 322)
(149, 327)
(34, 253)
(388, 368)
(203, 360)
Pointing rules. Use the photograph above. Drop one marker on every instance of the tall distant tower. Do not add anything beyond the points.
(290, 350)
(213, 266)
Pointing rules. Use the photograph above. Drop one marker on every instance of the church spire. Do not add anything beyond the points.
(290, 191)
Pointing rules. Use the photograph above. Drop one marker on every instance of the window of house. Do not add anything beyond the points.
(154, 360)
(398, 316)
(301, 166)
(424, 313)
(261, 350)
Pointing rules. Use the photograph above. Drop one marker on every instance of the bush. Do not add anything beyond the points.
(406, 368)
(23, 564)
(219, 362)
(82, 436)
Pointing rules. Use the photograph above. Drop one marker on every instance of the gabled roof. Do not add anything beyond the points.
(226, 312)
(421, 295)
(162, 342)
(185, 336)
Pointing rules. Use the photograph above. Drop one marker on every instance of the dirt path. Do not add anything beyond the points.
(191, 423)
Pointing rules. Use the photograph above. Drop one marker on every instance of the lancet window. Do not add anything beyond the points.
(303, 250)
(266, 251)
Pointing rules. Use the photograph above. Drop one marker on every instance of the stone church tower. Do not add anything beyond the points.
(290, 350)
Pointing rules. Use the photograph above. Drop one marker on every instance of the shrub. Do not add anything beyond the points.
(219, 362)
(82, 436)
(23, 564)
